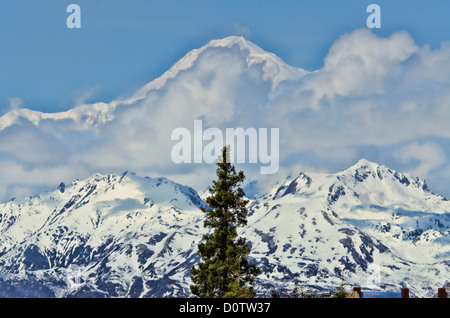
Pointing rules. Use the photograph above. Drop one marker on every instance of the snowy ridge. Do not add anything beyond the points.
(85, 116)
(94, 115)
(129, 236)
(274, 68)
(108, 226)
(365, 217)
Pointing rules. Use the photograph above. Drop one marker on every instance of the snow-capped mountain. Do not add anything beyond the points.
(380, 228)
(102, 236)
(88, 116)
(274, 69)
(128, 236)
(226, 83)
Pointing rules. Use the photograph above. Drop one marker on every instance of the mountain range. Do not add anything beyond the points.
(225, 83)
(272, 68)
(77, 226)
(122, 235)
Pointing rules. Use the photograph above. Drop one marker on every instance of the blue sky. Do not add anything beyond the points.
(123, 45)
(380, 94)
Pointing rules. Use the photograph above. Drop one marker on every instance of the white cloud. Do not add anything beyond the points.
(15, 103)
(238, 29)
(429, 156)
(371, 92)
(20, 179)
(83, 94)
(359, 64)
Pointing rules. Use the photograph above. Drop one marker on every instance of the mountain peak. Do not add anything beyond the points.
(146, 232)
(230, 41)
(364, 163)
(87, 116)
(275, 69)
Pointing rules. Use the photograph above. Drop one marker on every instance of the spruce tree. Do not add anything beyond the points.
(340, 290)
(223, 270)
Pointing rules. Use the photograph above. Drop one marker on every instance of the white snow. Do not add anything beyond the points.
(306, 229)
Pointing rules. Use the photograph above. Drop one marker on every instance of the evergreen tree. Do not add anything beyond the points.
(340, 290)
(224, 270)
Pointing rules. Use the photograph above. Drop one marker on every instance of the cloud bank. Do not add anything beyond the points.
(385, 99)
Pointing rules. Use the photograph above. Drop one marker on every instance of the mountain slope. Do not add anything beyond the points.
(108, 228)
(97, 114)
(367, 221)
(226, 83)
(274, 68)
(127, 236)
